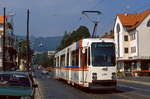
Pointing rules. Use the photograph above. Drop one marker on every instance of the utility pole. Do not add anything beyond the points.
(4, 27)
(28, 45)
(95, 22)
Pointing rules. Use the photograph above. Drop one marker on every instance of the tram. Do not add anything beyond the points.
(88, 63)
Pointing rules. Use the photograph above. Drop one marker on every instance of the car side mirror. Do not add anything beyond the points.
(35, 85)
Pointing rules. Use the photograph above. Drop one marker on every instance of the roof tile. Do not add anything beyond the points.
(1, 19)
(131, 21)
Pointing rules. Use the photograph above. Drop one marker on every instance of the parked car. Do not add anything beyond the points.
(16, 85)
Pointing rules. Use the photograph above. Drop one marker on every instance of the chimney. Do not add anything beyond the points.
(126, 14)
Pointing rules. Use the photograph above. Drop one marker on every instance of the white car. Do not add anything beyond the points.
(44, 72)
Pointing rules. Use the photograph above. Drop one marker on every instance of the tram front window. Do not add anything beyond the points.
(103, 54)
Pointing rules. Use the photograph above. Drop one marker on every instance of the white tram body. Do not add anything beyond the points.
(88, 63)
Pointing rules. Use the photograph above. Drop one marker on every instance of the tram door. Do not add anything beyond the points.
(83, 62)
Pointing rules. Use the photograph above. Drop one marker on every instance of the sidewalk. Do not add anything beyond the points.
(37, 94)
(38, 91)
(137, 80)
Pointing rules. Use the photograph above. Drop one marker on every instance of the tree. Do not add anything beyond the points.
(44, 60)
(82, 32)
(23, 49)
(69, 38)
(10, 26)
(63, 42)
(22, 53)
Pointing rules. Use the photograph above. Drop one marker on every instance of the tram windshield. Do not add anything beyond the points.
(103, 54)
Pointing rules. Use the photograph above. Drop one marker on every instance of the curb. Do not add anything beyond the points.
(38, 94)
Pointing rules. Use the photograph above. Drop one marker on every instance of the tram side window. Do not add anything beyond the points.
(57, 62)
(68, 59)
(88, 56)
(86, 62)
(62, 62)
(75, 58)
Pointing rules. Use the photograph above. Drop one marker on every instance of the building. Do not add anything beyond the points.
(51, 53)
(132, 37)
(10, 51)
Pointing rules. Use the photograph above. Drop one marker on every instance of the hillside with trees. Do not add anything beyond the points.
(42, 44)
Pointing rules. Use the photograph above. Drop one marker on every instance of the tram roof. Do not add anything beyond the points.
(83, 43)
(98, 40)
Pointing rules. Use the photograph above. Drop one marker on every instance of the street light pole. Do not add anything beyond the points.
(4, 27)
(28, 45)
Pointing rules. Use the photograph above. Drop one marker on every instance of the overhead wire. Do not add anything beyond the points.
(97, 4)
(141, 8)
(97, 18)
(89, 18)
(76, 24)
(80, 18)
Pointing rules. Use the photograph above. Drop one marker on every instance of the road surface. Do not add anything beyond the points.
(50, 88)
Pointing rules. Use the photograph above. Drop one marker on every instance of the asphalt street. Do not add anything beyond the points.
(50, 88)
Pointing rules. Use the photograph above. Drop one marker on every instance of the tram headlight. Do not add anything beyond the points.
(94, 76)
(114, 76)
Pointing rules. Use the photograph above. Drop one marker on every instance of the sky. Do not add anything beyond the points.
(54, 17)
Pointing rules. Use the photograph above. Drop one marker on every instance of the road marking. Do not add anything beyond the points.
(137, 82)
(137, 89)
(125, 96)
(133, 93)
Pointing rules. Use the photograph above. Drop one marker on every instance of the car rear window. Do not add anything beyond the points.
(15, 80)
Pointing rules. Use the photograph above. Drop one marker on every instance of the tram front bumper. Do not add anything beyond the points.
(103, 84)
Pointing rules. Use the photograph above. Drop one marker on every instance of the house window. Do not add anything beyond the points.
(126, 38)
(126, 50)
(118, 28)
(148, 23)
(1, 25)
(133, 36)
(133, 49)
(1, 55)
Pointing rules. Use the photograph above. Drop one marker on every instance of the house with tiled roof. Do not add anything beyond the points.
(132, 37)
